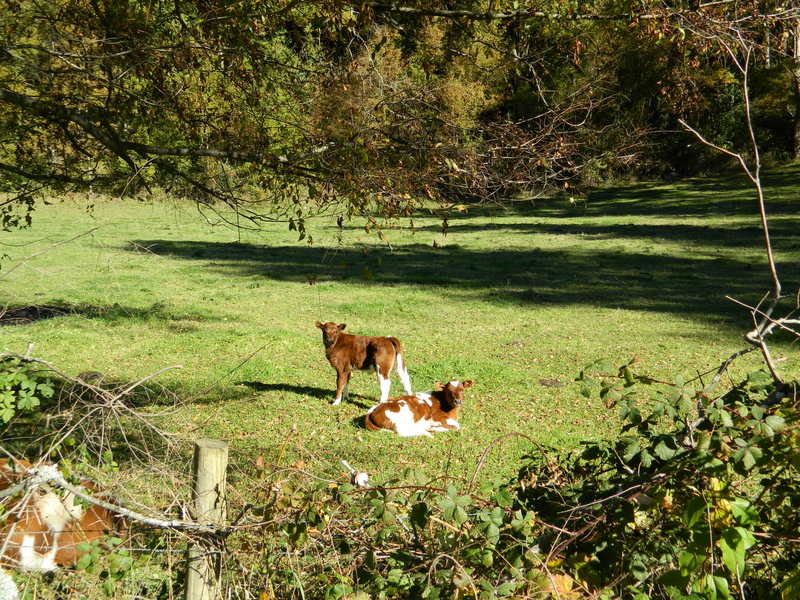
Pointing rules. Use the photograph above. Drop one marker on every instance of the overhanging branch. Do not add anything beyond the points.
(109, 138)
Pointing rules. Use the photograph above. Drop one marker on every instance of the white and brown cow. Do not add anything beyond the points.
(346, 352)
(41, 529)
(422, 413)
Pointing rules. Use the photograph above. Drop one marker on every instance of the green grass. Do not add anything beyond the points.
(510, 297)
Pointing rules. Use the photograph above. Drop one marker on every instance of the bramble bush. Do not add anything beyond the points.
(23, 388)
(697, 499)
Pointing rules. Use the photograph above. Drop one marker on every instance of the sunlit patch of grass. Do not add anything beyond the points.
(517, 299)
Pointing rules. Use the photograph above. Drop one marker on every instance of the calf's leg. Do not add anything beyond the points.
(384, 381)
(342, 377)
(402, 372)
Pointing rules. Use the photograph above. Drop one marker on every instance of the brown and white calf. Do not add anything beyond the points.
(40, 530)
(346, 352)
(421, 413)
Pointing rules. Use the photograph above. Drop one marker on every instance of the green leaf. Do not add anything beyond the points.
(666, 448)
(492, 533)
(419, 514)
(743, 511)
(84, 562)
(722, 587)
(689, 562)
(118, 562)
(631, 449)
(733, 551)
(694, 512)
(790, 588)
(776, 422)
(83, 547)
(504, 498)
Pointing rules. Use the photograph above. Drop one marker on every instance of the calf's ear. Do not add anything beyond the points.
(467, 383)
(342, 326)
(318, 324)
(438, 386)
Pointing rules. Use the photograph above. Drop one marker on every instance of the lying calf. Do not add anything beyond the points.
(422, 413)
(41, 531)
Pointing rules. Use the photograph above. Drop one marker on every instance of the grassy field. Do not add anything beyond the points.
(518, 299)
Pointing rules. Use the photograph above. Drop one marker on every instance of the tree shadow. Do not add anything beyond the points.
(14, 315)
(304, 390)
(691, 286)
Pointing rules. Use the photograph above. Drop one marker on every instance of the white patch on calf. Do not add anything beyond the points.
(385, 384)
(455, 383)
(404, 423)
(453, 423)
(32, 560)
(402, 372)
(57, 513)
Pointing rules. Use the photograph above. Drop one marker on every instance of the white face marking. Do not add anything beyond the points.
(455, 383)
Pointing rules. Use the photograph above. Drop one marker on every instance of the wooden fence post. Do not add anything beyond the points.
(208, 495)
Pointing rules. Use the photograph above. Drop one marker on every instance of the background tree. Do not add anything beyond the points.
(281, 110)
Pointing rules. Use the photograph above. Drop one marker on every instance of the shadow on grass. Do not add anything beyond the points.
(358, 423)
(782, 233)
(538, 276)
(304, 390)
(721, 195)
(109, 314)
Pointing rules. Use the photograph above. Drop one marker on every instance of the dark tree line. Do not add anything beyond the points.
(280, 109)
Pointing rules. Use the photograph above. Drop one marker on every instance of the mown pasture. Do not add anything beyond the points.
(518, 298)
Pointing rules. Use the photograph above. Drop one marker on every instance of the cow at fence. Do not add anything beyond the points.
(40, 529)
(346, 352)
(421, 413)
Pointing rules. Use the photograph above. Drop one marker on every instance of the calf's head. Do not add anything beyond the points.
(452, 393)
(330, 332)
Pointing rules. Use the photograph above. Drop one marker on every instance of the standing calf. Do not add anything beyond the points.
(40, 530)
(346, 352)
(421, 413)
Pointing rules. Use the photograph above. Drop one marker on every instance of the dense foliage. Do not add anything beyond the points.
(696, 499)
(284, 109)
